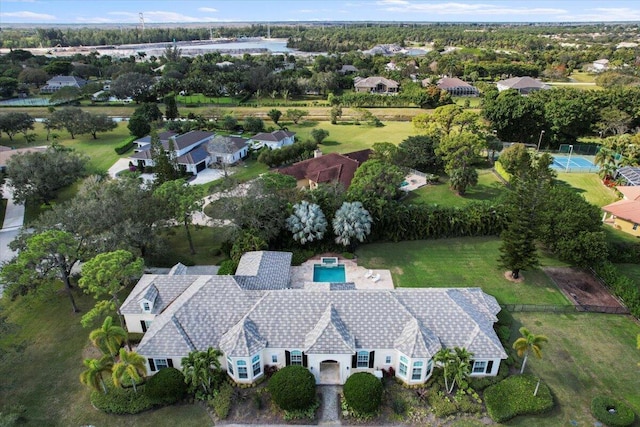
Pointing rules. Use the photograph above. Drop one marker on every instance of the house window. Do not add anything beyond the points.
(230, 366)
(416, 373)
(274, 358)
(161, 363)
(146, 306)
(479, 367)
(635, 226)
(242, 369)
(404, 363)
(363, 359)
(296, 357)
(429, 367)
(387, 360)
(255, 364)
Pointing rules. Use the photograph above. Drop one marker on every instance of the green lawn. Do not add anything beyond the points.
(344, 138)
(587, 355)
(590, 185)
(462, 262)
(206, 242)
(489, 188)
(630, 270)
(41, 351)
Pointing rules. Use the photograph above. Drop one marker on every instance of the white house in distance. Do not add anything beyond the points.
(56, 83)
(188, 149)
(600, 65)
(524, 85)
(258, 318)
(274, 140)
(228, 149)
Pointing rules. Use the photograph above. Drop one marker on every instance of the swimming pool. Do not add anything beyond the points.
(329, 274)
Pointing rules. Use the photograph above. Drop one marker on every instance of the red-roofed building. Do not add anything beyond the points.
(332, 167)
(625, 214)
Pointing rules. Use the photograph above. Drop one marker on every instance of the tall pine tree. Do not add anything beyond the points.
(164, 161)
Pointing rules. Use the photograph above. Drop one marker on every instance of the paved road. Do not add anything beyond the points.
(13, 220)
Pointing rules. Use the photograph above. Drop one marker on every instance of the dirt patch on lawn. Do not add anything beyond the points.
(584, 290)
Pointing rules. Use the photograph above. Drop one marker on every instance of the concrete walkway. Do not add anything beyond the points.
(330, 415)
(13, 221)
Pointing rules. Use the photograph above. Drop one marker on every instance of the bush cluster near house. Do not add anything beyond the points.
(293, 388)
(363, 393)
(167, 386)
(514, 396)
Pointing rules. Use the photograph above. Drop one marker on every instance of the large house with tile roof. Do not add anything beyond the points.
(274, 140)
(189, 149)
(376, 84)
(524, 85)
(326, 168)
(256, 318)
(228, 149)
(56, 83)
(625, 214)
(455, 86)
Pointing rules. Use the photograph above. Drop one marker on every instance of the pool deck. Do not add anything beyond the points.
(302, 276)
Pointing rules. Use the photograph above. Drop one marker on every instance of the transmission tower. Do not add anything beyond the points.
(141, 16)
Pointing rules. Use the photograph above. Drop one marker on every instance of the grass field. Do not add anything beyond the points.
(489, 188)
(630, 270)
(206, 242)
(590, 186)
(41, 350)
(463, 262)
(587, 355)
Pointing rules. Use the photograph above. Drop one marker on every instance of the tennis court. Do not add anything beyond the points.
(573, 164)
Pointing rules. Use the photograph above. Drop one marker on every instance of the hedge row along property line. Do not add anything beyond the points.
(622, 286)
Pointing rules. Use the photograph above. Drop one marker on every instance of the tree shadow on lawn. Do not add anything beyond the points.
(565, 184)
(307, 124)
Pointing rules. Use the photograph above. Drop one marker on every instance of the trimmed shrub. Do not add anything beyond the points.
(125, 145)
(227, 266)
(122, 401)
(293, 388)
(221, 401)
(514, 396)
(363, 392)
(166, 387)
(612, 412)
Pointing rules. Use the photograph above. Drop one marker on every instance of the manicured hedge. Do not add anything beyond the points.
(293, 388)
(501, 171)
(514, 396)
(622, 415)
(167, 386)
(122, 400)
(363, 392)
(125, 146)
(221, 401)
(228, 266)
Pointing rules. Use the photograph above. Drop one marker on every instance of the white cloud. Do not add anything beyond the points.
(24, 14)
(403, 6)
(207, 9)
(605, 14)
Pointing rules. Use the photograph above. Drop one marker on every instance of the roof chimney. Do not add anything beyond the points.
(317, 153)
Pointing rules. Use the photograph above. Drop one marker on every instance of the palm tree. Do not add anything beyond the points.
(529, 342)
(108, 338)
(460, 366)
(199, 368)
(443, 357)
(130, 366)
(95, 368)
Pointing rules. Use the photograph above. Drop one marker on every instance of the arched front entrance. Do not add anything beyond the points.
(330, 372)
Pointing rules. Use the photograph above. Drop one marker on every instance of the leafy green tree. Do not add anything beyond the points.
(459, 152)
(319, 135)
(443, 358)
(39, 175)
(247, 241)
(72, 119)
(295, 115)
(529, 343)
(8, 86)
(336, 113)
(351, 222)
(229, 122)
(130, 367)
(200, 369)
(45, 257)
(181, 200)
(385, 152)
(66, 94)
(418, 152)
(275, 114)
(460, 367)
(462, 178)
(132, 85)
(515, 117)
(253, 124)
(171, 107)
(59, 67)
(13, 123)
(107, 275)
(307, 222)
(375, 180)
(93, 375)
(108, 338)
(138, 126)
(99, 123)
(164, 162)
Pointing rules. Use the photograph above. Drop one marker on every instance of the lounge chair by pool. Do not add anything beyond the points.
(376, 278)
(368, 274)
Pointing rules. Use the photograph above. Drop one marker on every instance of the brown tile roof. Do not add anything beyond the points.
(332, 167)
(625, 209)
(630, 192)
(374, 81)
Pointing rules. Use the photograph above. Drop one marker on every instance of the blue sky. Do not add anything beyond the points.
(157, 11)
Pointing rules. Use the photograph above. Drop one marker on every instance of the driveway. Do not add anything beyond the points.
(13, 220)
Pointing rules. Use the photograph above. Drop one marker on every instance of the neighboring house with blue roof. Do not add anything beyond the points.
(189, 150)
(256, 319)
(56, 83)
